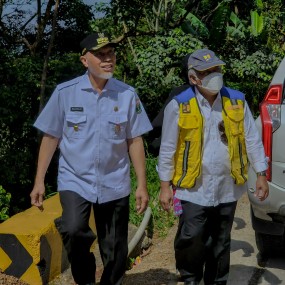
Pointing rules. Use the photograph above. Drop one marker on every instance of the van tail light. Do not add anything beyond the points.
(270, 119)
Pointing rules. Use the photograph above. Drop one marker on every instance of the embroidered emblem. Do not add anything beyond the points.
(117, 129)
(186, 107)
(102, 39)
(138, 106)
(207, 57)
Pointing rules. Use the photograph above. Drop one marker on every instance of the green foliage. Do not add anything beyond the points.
(154, 37)
(162, 221)
(195, 26)
(4, 204)
(238, 30)
(160, 61)
(18, 92)
(257, 23)
(219, 24)
(251, 74)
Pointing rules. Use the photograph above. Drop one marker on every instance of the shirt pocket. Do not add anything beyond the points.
(76, 125)
(116, 126)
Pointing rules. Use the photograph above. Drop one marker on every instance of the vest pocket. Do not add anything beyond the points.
(236, 121)
(190, 127)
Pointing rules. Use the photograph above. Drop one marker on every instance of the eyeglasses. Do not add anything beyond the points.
(221, 128)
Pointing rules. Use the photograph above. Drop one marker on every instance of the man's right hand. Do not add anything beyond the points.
(166, 196)
(37, 195)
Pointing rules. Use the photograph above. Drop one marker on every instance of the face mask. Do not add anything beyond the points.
(213, 82)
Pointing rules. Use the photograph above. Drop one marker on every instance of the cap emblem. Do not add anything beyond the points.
(207, 57)
(102, 41)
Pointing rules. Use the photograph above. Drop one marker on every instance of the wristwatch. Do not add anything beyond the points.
(261, 173)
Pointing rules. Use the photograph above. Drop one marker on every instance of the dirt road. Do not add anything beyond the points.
(158, 266)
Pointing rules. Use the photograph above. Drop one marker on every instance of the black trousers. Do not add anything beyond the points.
(111, 221)
(203, 241)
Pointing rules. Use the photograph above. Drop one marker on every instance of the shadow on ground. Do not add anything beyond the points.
(151, 277)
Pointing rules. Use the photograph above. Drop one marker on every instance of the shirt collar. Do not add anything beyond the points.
(86, 84)
(204, 101)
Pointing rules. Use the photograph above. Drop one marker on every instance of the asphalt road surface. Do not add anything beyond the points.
(246, 266)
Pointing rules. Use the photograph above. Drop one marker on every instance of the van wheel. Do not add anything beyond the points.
(269, 245)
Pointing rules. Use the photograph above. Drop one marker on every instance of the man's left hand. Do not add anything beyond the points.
(262, 188)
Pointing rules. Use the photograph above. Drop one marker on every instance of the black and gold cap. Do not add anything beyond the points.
(96, 41)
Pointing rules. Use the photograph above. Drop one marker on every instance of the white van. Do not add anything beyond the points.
(268, 217)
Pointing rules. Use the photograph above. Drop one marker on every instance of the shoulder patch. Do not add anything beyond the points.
(138, 106)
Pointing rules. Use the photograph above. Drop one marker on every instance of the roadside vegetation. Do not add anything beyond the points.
(39, 47)
(161, 220)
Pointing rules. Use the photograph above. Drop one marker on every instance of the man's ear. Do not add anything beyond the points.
(84, 60)
(193, 79)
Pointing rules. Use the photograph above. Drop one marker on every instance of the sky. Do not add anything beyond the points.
(10, 7)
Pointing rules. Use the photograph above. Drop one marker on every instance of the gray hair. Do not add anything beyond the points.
(191, 71)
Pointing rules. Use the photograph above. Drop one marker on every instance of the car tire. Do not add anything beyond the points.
(269, 245)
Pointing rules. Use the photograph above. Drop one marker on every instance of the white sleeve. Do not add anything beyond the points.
(254, 146)
(169, 139)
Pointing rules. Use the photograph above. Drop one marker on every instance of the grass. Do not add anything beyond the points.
(161, 220)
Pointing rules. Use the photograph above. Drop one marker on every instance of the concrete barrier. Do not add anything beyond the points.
(30, 244)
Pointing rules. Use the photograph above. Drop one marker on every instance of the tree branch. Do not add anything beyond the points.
(50, 46)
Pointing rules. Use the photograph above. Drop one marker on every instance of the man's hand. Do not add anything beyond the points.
(166, 196)
(37, 195)
(262, 189)
(141, 199)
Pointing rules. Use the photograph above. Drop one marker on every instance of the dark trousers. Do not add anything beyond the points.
(111, 221)
(203, 240)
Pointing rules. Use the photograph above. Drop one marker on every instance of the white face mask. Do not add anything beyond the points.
(213, 82)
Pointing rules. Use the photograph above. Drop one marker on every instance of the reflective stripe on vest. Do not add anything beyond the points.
(233, 117)
(188, 156)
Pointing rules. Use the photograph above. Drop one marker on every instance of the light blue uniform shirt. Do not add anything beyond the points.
(93, 130)
(215, 185)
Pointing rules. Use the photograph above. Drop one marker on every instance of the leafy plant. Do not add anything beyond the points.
(4, 204)
(256, 23)
(161, 220)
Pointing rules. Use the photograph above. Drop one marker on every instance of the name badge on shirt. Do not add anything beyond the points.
(76, 109)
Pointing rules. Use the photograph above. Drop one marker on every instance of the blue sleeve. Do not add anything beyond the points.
(51, 118)
(138, 122)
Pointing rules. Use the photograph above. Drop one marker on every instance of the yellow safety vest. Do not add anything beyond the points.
(188, 156)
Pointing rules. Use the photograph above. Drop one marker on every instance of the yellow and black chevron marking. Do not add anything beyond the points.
(30, 244)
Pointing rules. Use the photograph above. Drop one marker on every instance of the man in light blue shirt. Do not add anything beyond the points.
(208, 206)
(96, 121)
